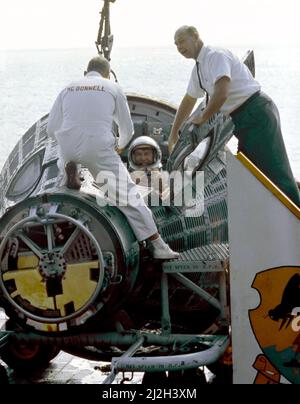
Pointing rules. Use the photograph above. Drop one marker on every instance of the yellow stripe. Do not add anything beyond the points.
(269, 184)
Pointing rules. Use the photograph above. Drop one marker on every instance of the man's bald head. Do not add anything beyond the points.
(187, 30)
(188, 41)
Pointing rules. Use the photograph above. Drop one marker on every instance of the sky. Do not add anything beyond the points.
(40, 24)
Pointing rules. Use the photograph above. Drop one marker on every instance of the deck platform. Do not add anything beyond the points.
(67, 369)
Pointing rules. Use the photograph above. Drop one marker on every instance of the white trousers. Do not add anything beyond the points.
(98, 154)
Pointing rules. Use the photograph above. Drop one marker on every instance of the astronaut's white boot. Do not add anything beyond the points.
(162, 251)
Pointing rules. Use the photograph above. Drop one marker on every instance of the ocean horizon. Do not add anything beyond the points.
(31, 79)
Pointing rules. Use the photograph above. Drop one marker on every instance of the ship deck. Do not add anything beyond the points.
(67, 369)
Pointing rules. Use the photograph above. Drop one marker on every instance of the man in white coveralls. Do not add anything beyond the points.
(81, 120)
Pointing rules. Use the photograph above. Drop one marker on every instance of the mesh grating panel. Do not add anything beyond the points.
(80, 249)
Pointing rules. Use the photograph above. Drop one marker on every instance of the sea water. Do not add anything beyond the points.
(31, 79)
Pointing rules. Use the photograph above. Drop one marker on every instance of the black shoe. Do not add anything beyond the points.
(73, 180)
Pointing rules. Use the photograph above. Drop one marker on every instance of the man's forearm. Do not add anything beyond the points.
(125, 138)
(126, 129)
(214, 105)
(216, 101)
(182, 114)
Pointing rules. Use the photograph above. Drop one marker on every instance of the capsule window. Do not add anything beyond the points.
(26, 178)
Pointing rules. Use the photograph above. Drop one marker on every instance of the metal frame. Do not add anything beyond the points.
(211, 347)
(48, 220)
(216, 345)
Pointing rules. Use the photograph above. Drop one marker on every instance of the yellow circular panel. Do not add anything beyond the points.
(78, 287)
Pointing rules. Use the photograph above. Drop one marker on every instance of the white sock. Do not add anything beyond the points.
(159, 242)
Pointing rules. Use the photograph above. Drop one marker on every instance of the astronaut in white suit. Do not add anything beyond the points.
(81, 120)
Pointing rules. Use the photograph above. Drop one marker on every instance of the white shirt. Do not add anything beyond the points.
(94, 103)
(215, 63)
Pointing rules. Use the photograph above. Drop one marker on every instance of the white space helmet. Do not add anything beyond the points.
(144, 142)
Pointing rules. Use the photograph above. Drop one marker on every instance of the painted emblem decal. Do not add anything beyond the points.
(276, 322)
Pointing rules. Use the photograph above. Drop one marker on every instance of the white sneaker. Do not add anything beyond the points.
(162, 251)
